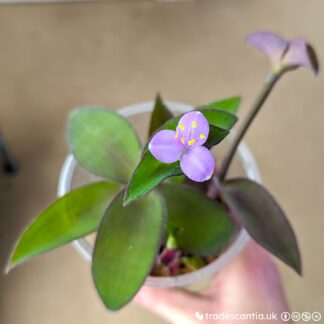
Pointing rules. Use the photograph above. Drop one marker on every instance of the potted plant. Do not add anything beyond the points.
(166, 210)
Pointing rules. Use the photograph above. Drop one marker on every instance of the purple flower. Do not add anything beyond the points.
(185, 144)
(283, 54)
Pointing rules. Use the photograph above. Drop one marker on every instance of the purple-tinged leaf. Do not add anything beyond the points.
(126, 246)
(263, 218)
(199, 225)
(104, 143)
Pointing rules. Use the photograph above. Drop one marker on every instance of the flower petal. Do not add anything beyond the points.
(198, 164)
(184, 127)
(165, 147)
(300, 53)
(270, 44)
(193, 128)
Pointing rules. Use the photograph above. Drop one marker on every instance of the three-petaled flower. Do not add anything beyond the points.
(186, 144)
(283, 54)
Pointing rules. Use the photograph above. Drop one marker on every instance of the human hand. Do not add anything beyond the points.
(249, 284)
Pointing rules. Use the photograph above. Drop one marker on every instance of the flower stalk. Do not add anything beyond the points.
(266, 90)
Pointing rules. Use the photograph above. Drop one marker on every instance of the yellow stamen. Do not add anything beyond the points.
(182, 140)
(176, 135)
(191, 142)
(181, 127)
(194, 124)
(202, 136)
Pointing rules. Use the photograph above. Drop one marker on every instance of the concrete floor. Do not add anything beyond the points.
(58, 56)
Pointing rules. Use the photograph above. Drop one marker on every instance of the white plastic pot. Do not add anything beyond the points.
(85, 248)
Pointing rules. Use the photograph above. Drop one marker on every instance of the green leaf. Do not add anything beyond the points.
(216, 135)
(160, 115)
(181, 179)
(74, 215)
(149, 173)
(263, 218)
(104, 143)
(230, 105)
(126, 246)
(218, 118)
(200, 226)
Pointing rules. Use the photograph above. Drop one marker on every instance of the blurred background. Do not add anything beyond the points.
(54, 57)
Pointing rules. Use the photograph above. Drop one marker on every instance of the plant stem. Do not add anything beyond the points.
(171, 242)
(266, 90)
